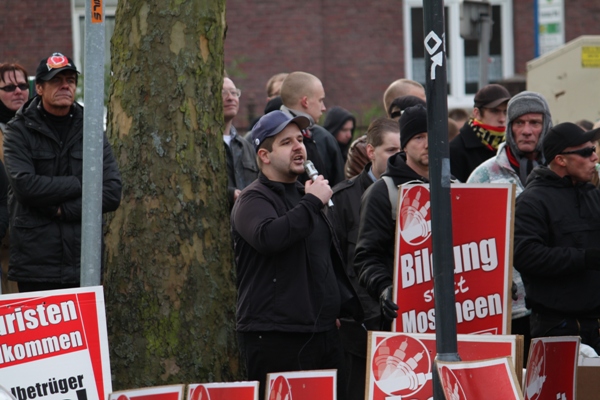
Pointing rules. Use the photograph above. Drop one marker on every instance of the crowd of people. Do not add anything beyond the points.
(307, 249)
(314, 252)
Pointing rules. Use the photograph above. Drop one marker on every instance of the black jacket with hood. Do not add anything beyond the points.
(45, 173)
(374, 256)
(557, 230)
(334, 122)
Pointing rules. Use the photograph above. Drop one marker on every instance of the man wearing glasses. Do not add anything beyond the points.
(481, 135)
(557, 238)
(529, 122)
(43, 152)
(241, 158)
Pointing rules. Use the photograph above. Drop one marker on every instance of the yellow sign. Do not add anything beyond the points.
(590, 56)
(97, 12)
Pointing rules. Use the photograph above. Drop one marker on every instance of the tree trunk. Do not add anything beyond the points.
(169, 280)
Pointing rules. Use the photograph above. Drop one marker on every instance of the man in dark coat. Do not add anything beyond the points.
(374, 256)
(43, 152)
(383, 141)
(292, 285)
(481, 135)
(557, 238)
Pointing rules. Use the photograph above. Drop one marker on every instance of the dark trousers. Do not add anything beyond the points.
(266, 352)
(551, 325)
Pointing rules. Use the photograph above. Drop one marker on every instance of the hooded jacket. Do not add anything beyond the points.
(556, 224)
(521, 104)
(45, 173)
(334, 121)
(374, 255)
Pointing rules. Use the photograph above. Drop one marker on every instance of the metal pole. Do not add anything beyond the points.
(485, 24)
(439, 178)
(93, 138)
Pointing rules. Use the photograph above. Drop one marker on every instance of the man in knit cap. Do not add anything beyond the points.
(528, 122)
(374, 255)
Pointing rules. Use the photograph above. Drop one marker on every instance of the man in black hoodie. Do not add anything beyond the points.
(557, 238)
(374, 256)
(341, 123)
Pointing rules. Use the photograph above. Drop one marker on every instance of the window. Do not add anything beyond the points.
(462, 71)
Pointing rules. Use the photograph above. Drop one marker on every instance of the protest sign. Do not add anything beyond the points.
(53, 345)
(475, 380)
(401, 364)
(223, 391)
(552, 368)
(482, 216)
(302, 385)
(171, 392)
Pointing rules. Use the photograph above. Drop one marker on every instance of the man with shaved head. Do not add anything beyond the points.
(302, 94)
(402, 87)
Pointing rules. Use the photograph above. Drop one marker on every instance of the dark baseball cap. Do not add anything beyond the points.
(491, 96)
(272, 123)
(566, 135)
(52, 65)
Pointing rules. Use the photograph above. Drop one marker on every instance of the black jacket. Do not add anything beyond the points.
(467, 152)
(334, 121)
(276, 291)
(241, 164)
(374, 256)
(45, 174)
(556, 224)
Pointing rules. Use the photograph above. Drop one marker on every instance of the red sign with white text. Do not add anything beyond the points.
(552, 368)
(481, 232)
(54, 346)
(401, 364)
(223, 391)
(302, 385)
(476, 380)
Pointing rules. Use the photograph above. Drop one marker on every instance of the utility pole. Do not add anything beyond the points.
(439, 178)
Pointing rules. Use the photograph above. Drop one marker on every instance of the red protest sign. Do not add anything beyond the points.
(474, 380)
(54, 344)
(552, 368)
(482, 235)
(400, 364)
(302, 385)
(223, 391)
(171, 392)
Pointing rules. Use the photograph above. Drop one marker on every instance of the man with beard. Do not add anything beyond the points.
(557, 238)
(292, 286)
(374, 256)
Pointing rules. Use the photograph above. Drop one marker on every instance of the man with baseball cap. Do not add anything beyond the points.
(374, 255)
(43, 149)
(292, 285)
(481, 135)
(557, 237)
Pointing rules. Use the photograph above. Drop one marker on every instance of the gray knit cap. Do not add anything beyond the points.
(525, 103)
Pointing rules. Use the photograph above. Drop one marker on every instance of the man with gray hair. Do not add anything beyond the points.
(528, 123)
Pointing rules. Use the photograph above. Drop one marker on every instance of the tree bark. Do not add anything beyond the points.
(169, 280)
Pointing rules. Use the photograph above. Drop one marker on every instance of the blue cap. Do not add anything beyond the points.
(272, 123)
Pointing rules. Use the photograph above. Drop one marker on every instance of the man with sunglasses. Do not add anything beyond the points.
(557, 238)
(43, 152)
(481, 135)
